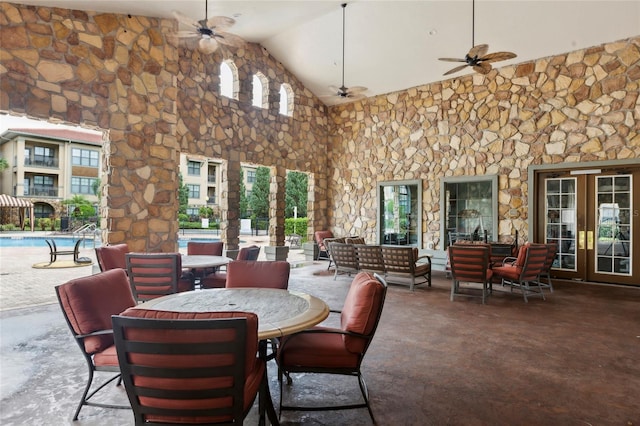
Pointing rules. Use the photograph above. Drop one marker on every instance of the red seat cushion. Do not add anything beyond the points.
(361, 308)
(316, 350)
(112, 257)
(90, 301)
(263, 274)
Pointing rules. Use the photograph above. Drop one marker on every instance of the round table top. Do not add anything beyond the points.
(203, 261)
(280, 312)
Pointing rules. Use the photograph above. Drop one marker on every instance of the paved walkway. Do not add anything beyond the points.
(22, 286)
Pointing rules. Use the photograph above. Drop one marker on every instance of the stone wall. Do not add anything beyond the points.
(126, 75)
(579, 107)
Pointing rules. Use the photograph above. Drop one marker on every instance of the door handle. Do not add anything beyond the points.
(589, 240)
(581, 240)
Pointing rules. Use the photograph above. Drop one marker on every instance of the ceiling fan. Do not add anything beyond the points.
(344, 93)
(477, 58)
(212, 31)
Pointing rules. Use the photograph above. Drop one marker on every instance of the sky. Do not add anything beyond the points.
(10, 121)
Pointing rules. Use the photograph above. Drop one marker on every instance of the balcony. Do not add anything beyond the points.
(52, 163)
(211, 200)
(41, 191)
(211, 178)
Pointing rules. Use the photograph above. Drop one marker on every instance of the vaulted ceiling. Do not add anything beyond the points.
(394, 45)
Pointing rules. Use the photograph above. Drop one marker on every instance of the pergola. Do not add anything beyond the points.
(7, 201)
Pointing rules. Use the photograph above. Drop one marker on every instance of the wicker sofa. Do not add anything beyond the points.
(398, 264)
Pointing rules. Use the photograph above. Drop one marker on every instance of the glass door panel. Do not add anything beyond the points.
(560, 220)
(613, 226)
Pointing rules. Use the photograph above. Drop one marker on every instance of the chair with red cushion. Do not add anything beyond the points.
(153, 275)
(189, 368)
(319, 237)
(525, 271)
(218, 279)
(87, 304)
(340, 350)
(111, 257)
(207, 248)
(469, 264)
(263, 274)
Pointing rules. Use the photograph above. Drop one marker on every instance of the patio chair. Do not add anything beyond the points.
(263, 274)
(370, 258)
(524, 272)
(470, 264)
(87, 304)
(212, 248)
(153, 275)
(552, 251)
(189, 368)
(344, 258)
(111, 257)
(339, 350)
(218, 279)
(319, 237)
(404, 262)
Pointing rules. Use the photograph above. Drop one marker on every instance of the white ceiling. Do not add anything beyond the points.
(394, 45)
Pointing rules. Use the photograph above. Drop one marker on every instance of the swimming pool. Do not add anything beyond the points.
(26, 241)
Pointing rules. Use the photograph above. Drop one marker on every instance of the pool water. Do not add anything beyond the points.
(70, 242)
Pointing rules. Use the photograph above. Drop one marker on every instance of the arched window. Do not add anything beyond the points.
(260, 91)
(286, 100)
(229, 80)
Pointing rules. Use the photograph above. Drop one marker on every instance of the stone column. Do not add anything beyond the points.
(276, 249)
(230, 201)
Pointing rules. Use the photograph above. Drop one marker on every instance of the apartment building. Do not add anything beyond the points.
(203, 176)
(47, 166)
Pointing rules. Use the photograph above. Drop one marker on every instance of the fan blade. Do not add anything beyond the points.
(479, 50)
(220, 23)
(354, 96)
(229, 39)
(452, 59)
(498, 56)
(187, 34)
(184, 19)
(482, 67)
(356, 90)
(456, 69)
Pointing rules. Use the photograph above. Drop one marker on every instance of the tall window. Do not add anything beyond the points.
(193, 168)
(84, 157)
(229, 86)
(82, 185)
(260, 91)
(470, 207)
(286, 100)
(194, 190)
(400, 218)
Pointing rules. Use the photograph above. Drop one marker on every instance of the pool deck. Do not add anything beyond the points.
(23, 286)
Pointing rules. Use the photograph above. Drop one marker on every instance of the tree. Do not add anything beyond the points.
(183, 195)
(4, 164)
(296, 194)
(259, 200)
(244, 202)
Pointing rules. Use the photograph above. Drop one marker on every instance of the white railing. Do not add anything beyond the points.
(87, 231)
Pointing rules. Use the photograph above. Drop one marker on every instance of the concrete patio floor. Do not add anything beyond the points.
(569, 360)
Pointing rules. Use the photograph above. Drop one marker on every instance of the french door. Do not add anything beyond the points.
(593, 215)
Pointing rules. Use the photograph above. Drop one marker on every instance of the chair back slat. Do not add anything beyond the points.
(535, 261)
(469, 263)
(153, 275)
(188, 368)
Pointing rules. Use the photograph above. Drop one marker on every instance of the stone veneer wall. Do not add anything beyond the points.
(578, 107)
(238, 132)
(126, 75)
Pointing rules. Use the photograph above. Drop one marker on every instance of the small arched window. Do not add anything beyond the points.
(286, 100)
(229, 79)
(260, 91)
